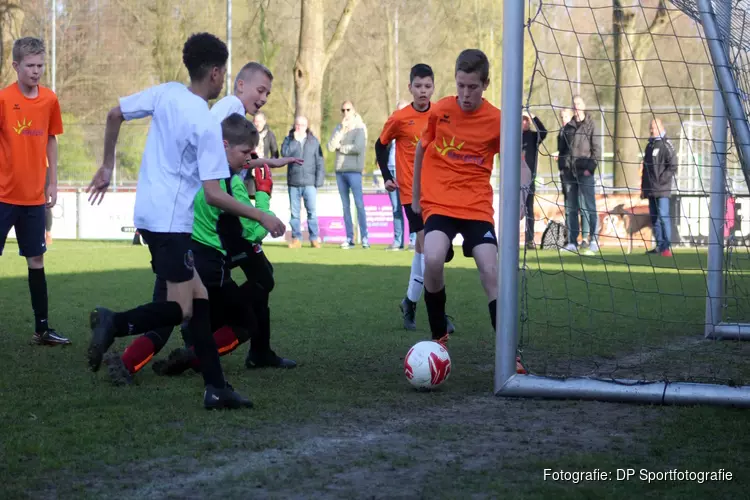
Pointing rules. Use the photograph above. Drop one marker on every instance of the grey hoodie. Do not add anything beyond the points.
(349, 146)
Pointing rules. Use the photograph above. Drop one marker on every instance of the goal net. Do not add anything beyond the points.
(598, 310)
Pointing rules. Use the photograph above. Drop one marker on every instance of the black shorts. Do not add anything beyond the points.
(171, 256)
(474, 232)
(416, 224)
(29, 222)
(211, 265)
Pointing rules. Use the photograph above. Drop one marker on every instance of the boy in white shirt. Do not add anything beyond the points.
(184, 151)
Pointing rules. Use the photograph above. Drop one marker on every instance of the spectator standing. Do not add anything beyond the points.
(304, 180)
(580, 184)
(659, 168)
(348, 142)
(531, 139)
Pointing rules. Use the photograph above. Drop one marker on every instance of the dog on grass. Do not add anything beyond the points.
(634, 220)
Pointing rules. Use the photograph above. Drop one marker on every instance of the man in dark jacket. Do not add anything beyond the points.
(303, 180)
(267, 147)
(659, 168)
(579, 181)
(531, 139)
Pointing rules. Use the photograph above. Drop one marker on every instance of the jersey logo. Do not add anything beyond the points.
(449, 146)
(16, 107)
(24, 128)
(410, 123)
(445, 119)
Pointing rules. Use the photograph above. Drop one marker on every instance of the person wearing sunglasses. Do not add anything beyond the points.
(348, 142)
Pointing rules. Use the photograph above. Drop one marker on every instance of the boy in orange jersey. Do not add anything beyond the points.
(451, 187)
(405, 126)
(30, 120)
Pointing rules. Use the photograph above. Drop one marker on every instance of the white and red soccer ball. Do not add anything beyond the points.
(427, 365)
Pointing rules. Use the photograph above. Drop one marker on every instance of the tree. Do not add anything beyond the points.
(313, 57)
(631, 48)
(11, 16)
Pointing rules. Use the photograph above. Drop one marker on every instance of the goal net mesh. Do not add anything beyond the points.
(617, 312)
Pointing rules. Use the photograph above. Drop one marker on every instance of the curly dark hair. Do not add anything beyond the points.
(201, 53)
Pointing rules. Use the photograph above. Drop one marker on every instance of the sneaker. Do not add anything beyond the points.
(519, 366)
(226, 398)
(449, 324)
(666, 253)
(594, 247)
(102, 336)
(365, 244)
(50, 337)
(530, 245)
(178, 362)
(267, 360)
(443, 341)
(409, 312)
(570, 247)
(653, 251)
(393, 248)
(347, 245)
(295, 243)
(118, 372)
(315, 244)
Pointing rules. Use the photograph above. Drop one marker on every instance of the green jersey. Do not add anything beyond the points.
(212, 227)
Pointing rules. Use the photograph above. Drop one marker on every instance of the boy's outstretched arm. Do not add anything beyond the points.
(273, 162)
(100, 183)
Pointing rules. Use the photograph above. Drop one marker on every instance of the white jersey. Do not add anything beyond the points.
(184, 147)
(225, 107)
(228, 106)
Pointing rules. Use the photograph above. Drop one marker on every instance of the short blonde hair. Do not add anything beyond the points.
(27, 46)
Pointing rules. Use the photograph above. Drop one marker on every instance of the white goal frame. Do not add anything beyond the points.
(510, 384)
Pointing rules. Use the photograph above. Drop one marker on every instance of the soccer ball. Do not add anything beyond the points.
(427, 365)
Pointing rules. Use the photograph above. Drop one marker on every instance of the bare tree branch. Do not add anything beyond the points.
(338, 34)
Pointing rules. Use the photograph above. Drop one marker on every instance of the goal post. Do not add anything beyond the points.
(507, 383)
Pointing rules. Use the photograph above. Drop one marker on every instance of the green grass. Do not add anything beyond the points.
(68, 433)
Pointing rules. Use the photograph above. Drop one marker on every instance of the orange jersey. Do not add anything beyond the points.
(457, 166)
(405, 125)
(25, 127)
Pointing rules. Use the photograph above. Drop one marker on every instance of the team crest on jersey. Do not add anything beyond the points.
(257, 248)
(24, 128)
(448, 146)
(415, 141)
(445, 119)
(16, 107)
(410, 123)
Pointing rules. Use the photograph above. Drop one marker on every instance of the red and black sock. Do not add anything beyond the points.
(138, 353)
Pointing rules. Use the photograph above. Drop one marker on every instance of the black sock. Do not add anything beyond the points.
(204, 345)
(493, 314)
(38, 289)
(152, 316)
(261, 341)
(435, 303)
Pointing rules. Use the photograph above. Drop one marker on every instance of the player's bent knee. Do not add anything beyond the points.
(35, 262)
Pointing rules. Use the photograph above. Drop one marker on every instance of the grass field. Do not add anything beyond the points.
(345, 423)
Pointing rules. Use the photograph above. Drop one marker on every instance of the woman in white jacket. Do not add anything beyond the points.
(348, 141)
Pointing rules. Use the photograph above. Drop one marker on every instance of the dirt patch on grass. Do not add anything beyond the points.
(456, 449)
(690, 358)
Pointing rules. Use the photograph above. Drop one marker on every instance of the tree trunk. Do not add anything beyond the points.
(313, 57)
(630, 50)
